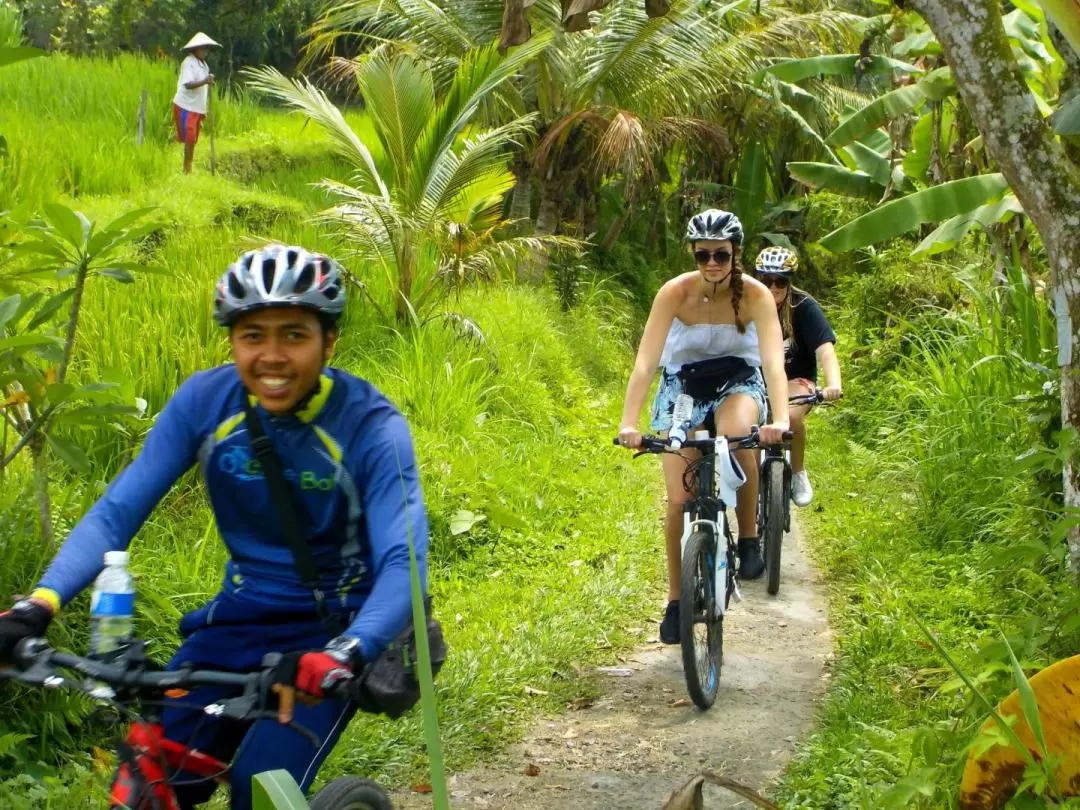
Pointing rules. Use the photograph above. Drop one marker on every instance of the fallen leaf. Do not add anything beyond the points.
(531, 770)
(532, 690)
(570, 734)
(680, 703)
(577, 704)
(421, 788)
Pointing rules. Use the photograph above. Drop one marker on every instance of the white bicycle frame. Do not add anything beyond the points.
(725, 491)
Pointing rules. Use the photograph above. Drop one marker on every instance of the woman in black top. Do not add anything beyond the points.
(808, 341)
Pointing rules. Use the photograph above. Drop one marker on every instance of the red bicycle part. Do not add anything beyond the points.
(156, 758)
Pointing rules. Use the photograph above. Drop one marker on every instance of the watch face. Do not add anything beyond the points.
(343, 649)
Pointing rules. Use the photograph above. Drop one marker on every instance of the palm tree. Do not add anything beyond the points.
(425, 204)
(612, 101)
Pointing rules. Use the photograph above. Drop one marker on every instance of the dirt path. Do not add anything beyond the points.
(640, 741)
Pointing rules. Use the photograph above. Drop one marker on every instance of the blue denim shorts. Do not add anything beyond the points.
(671, 387)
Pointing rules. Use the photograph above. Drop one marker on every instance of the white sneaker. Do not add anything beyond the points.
(801, 491)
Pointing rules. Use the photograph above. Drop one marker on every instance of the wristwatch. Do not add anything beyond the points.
(344, 650)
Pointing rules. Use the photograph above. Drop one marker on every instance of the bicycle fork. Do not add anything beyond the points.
(720, 563)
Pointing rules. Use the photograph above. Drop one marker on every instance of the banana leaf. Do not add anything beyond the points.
(948, 235)
(836, 179)
(1066, 118)
(877, 112)
(1066, 16)
(930, 205)
(795, 70)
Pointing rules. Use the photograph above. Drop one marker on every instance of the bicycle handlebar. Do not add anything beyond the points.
(38, 664)
(752, 441)
(814, 398)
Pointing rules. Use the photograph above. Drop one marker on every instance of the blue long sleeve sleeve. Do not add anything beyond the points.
(170, 449)
(394, 513)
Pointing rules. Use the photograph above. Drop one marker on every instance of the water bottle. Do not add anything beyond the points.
(112, 607)
(680, 420)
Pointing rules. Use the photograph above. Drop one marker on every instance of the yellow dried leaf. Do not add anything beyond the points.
(991, 778)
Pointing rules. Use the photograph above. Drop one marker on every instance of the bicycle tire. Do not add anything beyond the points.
(701, 667)
(773, 527)
(351, 793)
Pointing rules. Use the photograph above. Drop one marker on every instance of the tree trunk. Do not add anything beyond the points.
(521, 197)
(73, 321)
(38, 452)
(1040, 173)
(547, 216)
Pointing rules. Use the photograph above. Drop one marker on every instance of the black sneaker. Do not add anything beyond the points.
(669, 627)
(751, 565)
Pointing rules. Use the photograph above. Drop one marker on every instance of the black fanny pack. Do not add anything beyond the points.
(388, 685)
(708, 379)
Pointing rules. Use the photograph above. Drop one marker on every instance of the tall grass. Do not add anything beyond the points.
(10, 26)
(934, 514)
(70, 125)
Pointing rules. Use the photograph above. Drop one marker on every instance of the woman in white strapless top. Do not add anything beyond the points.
(712, 312)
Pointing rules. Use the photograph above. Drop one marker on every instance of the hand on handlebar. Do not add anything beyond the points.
(630, 437)
(773, 433)
(28, 618)
(307, 677)
(831, 393)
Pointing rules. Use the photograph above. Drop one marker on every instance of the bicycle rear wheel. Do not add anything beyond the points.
(700, 623)
(773, 524)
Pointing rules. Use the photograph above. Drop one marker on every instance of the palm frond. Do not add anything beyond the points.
(481, 72)
(454, 171)
(305, 97)
(399, 96)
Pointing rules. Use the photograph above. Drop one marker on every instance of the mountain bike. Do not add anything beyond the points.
(708, 579)
(774, 498)
(148, 763)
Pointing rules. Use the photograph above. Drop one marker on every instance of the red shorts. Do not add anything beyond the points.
(187, 125)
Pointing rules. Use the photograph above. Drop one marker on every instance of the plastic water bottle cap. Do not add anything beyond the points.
(116, 558)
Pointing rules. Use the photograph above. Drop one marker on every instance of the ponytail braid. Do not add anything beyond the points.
(737, 288)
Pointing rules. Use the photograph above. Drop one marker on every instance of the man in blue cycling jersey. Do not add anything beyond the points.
(347, 454)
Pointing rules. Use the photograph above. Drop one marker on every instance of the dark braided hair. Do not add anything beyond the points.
(737, 287)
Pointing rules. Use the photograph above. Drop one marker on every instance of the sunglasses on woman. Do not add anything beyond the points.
(719, 256)
(772, 280)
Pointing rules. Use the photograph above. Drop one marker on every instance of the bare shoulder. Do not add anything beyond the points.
(675, 291)
(755, 293)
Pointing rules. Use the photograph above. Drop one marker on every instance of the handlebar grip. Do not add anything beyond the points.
(788, 435)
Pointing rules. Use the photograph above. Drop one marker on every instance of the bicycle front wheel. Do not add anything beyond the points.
(351, 793)
(773, 524)
(700, 622)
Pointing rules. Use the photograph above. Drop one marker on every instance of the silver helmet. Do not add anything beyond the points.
(279, 276)
(714, 224)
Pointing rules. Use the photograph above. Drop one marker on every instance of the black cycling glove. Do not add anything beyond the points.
(28, 618)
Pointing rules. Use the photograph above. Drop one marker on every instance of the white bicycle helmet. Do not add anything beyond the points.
(714, 224)
(777, 260)
(280, 276)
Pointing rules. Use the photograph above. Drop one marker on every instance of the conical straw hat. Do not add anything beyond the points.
(200, 40)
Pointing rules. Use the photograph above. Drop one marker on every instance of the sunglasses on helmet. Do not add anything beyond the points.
(719, 256)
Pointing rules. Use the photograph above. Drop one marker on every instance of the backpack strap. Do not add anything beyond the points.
(282, 496)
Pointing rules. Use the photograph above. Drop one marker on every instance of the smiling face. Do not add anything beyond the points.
(279, 354)
(713, 259)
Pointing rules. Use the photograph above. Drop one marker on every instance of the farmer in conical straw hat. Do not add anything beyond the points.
(192, 90)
